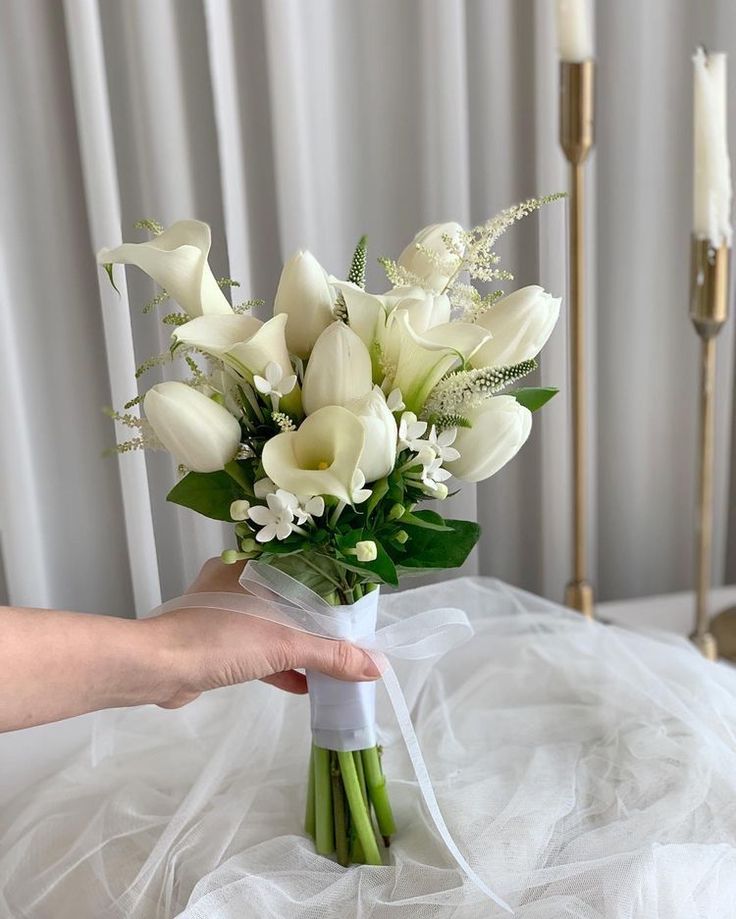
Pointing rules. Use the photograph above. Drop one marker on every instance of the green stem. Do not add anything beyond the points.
(324, 826)
(309, 815)
(376, 782)
(340, 812)
(358, 809)
(356, 850)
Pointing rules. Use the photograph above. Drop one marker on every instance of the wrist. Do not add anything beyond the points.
(147, 665)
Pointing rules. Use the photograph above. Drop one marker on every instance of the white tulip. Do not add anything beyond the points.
(499, 429)
(434, 276)
(177, 261)
(379, 453)
(339, 369)
(424, 359)
(425, 309)
(201, 434)
(304, 296)
(520, 325)
(320, 457)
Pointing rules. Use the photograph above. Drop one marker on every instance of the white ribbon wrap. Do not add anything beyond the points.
(344, 714)
(339, 712)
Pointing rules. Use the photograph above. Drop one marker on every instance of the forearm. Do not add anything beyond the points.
(56, 664)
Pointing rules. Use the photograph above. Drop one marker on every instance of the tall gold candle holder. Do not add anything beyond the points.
(577, 97)
(708, 312)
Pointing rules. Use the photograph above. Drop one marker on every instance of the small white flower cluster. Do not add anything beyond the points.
(283, 513)
(431, 452)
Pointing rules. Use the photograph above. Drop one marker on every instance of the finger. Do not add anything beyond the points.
(289, 681)
(338, 659)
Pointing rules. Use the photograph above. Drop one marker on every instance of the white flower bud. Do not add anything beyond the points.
(366, 550)
(239, 510)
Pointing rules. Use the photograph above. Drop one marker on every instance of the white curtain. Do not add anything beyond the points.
(284, 124)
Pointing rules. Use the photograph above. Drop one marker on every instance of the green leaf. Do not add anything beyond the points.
(207, 493)
(427, 520)
(429, 550)
(313, 570)
(534, 397)
(108, 269)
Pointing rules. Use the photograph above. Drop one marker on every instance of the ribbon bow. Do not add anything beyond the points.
(424, 635)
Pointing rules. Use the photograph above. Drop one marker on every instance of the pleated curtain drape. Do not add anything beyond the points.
(286, 124)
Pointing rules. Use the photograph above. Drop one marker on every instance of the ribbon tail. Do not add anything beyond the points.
(403, 717)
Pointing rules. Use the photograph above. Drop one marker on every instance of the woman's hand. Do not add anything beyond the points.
(56, 664)
(209, 648)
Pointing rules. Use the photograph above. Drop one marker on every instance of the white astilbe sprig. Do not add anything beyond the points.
(464, 390)
(472, 252)
(398, 275)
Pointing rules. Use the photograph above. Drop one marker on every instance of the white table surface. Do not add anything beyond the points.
(29, 755)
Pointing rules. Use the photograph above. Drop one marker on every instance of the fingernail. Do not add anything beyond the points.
(370, 670)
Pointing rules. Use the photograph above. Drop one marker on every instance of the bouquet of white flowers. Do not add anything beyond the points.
(321, 431)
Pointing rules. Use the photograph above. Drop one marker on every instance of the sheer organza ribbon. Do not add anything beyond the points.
(424, 635)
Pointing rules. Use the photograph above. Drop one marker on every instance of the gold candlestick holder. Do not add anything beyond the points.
(577, 99)
(708, 312)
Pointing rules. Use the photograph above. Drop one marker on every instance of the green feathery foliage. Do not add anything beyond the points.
(356, 275)
(148, 223)
(133, 402)
(175, 319)
(227, 282)
(152, 362)
(247, 305)
(154, 302)
(464, 390)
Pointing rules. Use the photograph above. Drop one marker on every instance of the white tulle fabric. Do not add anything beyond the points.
(584, 770)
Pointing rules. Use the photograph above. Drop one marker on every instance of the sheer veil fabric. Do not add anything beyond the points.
(585, 771)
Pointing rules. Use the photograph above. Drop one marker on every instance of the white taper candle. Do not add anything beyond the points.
(712, 167)
(574, 33)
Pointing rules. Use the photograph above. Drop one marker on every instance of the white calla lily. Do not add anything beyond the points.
(434, 275)
(216, 334)
(520, 324)
(424, 359)
(320, 458)
(304, 296)
(199, 432)
(267, 345)
(177, 260)
(338, 371)
(381, 433)
(499, 429)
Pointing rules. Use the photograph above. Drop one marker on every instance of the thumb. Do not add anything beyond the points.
(338, 659)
